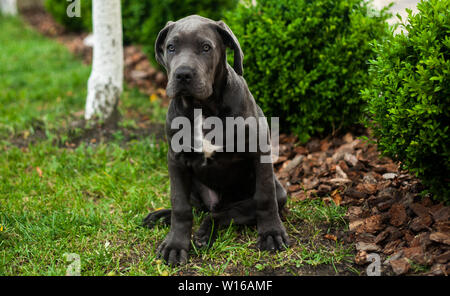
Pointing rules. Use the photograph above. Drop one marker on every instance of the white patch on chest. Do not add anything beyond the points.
(208, 148)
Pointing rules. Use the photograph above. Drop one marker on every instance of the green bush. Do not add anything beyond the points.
(58, 9)
(409, 98)
(306, 61)
(142, 19)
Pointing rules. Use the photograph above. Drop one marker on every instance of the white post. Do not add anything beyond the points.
(8, 7)
(106, 81)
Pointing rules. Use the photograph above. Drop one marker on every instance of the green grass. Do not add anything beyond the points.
(40, 78)
(91, 199)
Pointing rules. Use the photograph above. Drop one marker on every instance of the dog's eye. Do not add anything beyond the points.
(206, 47)
(170, 48)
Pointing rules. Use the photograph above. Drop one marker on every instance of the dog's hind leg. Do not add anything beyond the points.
(281, 198)
(201, 197)
(209, 199)
(154, 217)
(206, 235)
(239, 213)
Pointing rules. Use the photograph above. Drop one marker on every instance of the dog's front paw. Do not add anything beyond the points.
(174, 250)
(273, 240)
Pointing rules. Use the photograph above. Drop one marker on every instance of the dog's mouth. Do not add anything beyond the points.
(197, 90)
(183, 91)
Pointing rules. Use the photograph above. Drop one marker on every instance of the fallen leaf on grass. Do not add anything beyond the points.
(361, 258)
(39, 171)
(330, 237)
(79, 113)
(142, 125)
(337, 198)
(153, 98)
(161, 92)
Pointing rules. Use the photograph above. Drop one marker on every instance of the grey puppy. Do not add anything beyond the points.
(231, 186)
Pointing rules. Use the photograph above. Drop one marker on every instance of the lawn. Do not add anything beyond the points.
(90, 197)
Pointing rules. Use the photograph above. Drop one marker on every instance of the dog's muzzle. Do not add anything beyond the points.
(184, 75)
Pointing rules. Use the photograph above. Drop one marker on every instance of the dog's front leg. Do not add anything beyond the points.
(174, 248)
(271, 232)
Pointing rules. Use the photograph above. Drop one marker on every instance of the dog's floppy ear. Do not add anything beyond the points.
(231, 41)
(159, 50)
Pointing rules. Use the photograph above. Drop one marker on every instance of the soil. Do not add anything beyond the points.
(105, 132)
(91, 133)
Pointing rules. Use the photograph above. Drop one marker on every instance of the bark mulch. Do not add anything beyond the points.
(386, 213)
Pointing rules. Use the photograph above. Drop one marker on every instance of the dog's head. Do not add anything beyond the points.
(193, 51)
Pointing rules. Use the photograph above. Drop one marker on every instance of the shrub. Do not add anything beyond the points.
(409, 98)
(306, 61)
(142, 19)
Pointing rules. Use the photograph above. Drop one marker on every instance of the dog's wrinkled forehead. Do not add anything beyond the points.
(193, 22)
(193, 27)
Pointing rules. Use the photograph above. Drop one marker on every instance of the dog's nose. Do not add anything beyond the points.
(184, 74)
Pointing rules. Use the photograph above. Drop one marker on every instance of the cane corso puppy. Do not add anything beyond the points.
(234, 187)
